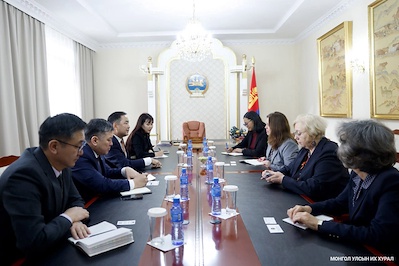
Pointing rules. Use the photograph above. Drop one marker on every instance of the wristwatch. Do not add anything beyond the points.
(319, 223)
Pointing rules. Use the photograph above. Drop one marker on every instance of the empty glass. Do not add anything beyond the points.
(170, 182)
(157, 225)
(231, 198)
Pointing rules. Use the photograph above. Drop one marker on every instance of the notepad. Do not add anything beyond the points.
(252, 162)
(141, 190)
(302, 226)
(162, 156)
(232, 153)
(104, 237)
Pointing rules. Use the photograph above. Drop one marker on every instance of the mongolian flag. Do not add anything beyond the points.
(253, 104)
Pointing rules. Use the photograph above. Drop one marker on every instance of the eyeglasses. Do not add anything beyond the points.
(246, 124)
(80, 148)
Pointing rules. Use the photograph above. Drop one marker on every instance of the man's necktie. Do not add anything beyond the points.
(123, 147)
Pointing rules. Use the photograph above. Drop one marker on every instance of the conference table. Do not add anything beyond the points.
(241, 240)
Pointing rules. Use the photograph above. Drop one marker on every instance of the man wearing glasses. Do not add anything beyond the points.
(39, 203)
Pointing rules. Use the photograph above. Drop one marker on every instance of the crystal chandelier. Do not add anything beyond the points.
(194, 43)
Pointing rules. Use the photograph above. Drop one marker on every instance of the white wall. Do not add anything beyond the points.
(117, 74)
(287, 74)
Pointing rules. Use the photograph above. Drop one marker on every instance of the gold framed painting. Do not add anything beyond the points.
(384, 54)
(335, 76)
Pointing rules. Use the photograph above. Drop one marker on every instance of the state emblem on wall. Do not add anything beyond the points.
(197, 85)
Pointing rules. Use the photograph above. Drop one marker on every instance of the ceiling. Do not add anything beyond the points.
(110, 22)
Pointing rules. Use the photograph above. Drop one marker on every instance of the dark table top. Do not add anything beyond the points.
(255, 199)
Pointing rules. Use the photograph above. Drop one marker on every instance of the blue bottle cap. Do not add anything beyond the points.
(216, 180)
(184, 170)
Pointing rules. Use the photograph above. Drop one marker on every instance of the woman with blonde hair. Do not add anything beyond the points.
(316, 172)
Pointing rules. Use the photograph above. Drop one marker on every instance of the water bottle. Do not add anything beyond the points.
(209, 170)
(190, 145)
(176, 215)
(184, 184)
(189, 156)
(216, 194)
(205, 147)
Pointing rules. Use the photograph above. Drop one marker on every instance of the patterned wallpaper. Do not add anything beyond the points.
(211, 109)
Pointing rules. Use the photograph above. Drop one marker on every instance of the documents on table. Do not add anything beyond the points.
(142, 190)
(302, 226)
(162, 156)
(104, 236)
(272, 225)
(232, 153)
(252, 162)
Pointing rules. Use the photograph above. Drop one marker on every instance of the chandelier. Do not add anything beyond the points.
(194, 43)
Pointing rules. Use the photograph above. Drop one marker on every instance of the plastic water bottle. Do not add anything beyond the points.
(184, 184)
(209, 170)
(205, 147)
(189, 156)
(176, 215)
(216, 194)
(190, 145)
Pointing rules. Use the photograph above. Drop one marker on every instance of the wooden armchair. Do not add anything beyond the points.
(6, 161)
(194, 130)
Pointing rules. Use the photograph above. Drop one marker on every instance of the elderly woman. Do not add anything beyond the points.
(255, 142)
(372, 195)
(316, 172)
(281, 149)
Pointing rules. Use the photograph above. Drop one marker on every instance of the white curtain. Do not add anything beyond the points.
(63, 83)
(23, 80)
(84, 61)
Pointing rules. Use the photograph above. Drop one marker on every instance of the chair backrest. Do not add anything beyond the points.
(6, 161)
(194, 130)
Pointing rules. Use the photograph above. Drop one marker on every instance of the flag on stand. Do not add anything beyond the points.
(253, 104)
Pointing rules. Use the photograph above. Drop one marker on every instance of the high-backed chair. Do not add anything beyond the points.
(194, 130)
(5, 161)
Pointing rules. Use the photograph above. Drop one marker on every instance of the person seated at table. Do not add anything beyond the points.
(281, 149)
(138, 143)
(117, 155)
(39, 204)
(371, 197)
(255, 142)
(316, 171)
(92, 175)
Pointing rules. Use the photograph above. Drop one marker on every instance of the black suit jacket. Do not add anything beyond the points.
(260, 147)
(116, 157)
(31, 204)
(373, 220)
(91, 180)
(323, 176)
(140, 146)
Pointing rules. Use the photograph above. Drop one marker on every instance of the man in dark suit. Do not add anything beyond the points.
(117, 156)
(92, 175)
(39, 204)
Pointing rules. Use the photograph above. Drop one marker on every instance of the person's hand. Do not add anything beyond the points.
(239, 150)
(291, 212)
(140, 181)
(261, 159)
(77, 214)
(155, 163)
(158, 153)
(306, 219)
(79, 230)
(229, 149)
(272, 177)
(267, 163)
(131, 173)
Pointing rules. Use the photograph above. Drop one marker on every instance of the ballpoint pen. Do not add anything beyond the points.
(227, 146)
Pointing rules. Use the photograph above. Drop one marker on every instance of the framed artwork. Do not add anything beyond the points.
(335, 76)
(384, 54)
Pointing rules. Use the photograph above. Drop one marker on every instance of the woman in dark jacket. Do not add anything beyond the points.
(138, 144)
(255, 142)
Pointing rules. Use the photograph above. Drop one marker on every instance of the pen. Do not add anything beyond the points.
(227, 146)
